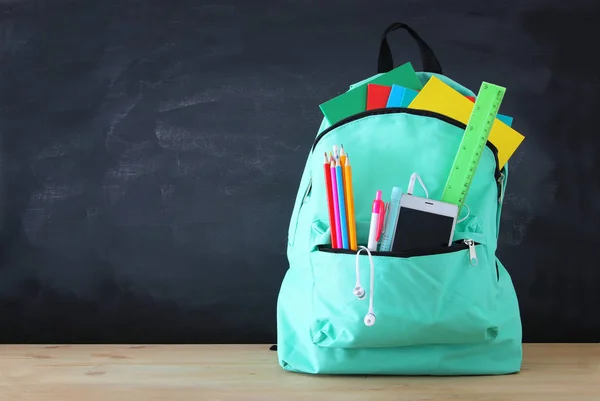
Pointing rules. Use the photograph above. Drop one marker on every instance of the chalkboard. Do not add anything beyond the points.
(151, 153)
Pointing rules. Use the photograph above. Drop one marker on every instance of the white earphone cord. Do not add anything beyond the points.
(468, 213)
(359, 291)
(411, 188)
(411, 184)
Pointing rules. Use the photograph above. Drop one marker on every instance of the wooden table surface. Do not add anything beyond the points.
(551, 372)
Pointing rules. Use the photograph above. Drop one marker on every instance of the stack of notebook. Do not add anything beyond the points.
(401, 87)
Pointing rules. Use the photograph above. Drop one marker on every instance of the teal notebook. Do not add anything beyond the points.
(505, 119)
(355, 100)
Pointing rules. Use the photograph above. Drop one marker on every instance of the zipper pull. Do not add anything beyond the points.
(472, 253)
(501, 182)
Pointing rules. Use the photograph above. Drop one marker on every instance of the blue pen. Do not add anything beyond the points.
(340, 189)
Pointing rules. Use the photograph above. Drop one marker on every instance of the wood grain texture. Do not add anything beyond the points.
(551, 372)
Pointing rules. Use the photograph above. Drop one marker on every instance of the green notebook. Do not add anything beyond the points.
(355, 100)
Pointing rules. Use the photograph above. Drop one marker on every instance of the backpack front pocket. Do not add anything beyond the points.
(437, 297)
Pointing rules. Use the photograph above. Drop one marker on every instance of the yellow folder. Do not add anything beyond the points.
(439, 97)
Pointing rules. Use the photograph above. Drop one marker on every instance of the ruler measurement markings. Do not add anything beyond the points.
(473, 142)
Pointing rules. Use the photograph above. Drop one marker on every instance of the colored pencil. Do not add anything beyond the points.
(350, 203)
(342, 204)
(336, 206)
(342, 158)
(327, 167)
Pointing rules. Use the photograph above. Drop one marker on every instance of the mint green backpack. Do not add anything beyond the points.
(437, 313)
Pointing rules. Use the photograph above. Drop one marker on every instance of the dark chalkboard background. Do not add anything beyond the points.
(151, 152)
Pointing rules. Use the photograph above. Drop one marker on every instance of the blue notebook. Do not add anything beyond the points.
(401, 96)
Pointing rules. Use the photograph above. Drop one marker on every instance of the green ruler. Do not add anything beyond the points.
(473, 142)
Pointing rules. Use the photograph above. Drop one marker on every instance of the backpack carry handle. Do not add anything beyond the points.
(385, 62)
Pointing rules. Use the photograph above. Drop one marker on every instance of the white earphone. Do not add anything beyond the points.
(370, 319)
(359, 291)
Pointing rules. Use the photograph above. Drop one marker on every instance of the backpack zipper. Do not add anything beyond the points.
(404, 110)
(472, 254)
(456, 246)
